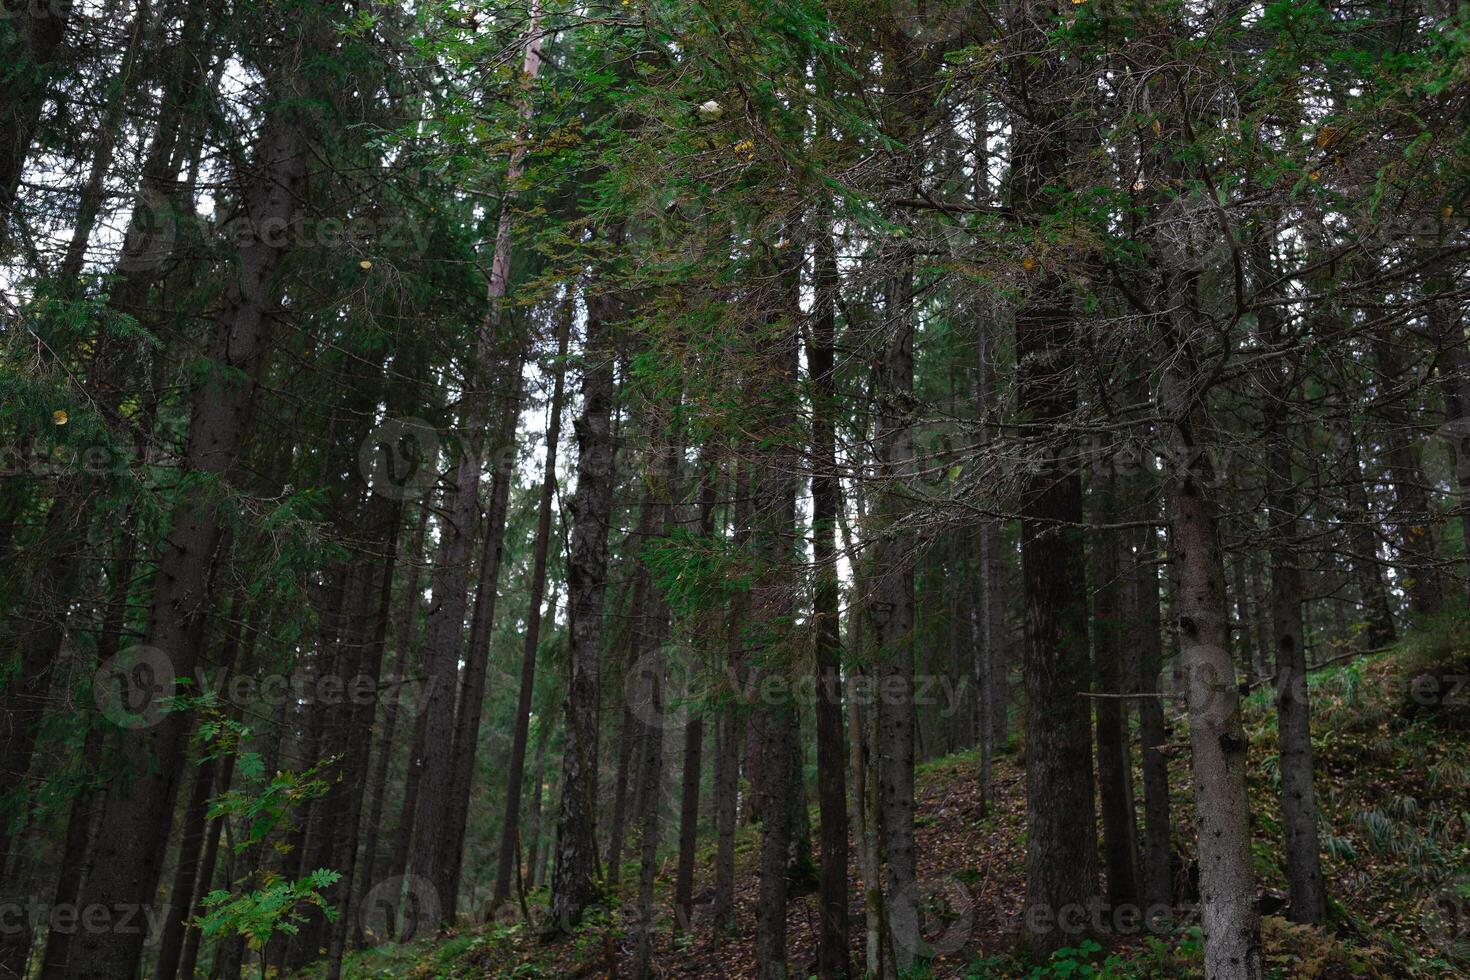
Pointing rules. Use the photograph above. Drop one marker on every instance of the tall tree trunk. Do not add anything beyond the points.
(405, 638)
(1447, 328)
(186, 870)
(386, 519)
(664, 473)
(1363, 537)
(520, 724)
(635, 640)
(573, 886)
(1158, 876)
(534, 845)
(477, 661)
(832, 930)
(1260, 626)
(692, 771)
(1413, 517)
(1307, 888)
(1061, 821)
(139, 806)
(1232, 933)
(891, 618)
(433, 825)
(1114, 761)
(733, 721)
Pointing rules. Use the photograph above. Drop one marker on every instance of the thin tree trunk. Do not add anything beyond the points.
(692, 771)
(1158, 877)
(1413, 518)
(1114, 762)
(386, 518)
(629, 744)
(538, 778)
(1232, 934)
(433, 825)
(405, 636)
(573, 886)
(1359, 520)
(520, 725)
(472, 693)
(832, 930)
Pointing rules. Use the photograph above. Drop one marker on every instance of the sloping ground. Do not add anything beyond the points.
(1394, 783)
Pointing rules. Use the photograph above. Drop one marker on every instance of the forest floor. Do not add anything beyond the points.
(1393, 781)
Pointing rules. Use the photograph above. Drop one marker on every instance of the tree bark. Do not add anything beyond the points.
(1413, 517)
(832, 931)
(472, 693)
(434, 825)
(1114, 760)
(573, 885)
(520, 726)
(1158, 876)
(1232, 934)
(138, 812)
(692, 770)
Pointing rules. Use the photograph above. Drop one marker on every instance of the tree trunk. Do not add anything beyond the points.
(573, 886)
(472, 694)
(1061, 852)
(1413, 517)
(405, 637)
(629, 731)
(1114, 761)
(534, 844)
(434, 825)
(692, 770)
(1061, 821)
(520, 725)
(1232, 933)
(385, 518)
(832, 930)
(1363, 536)
(1158, 877)
(139, 807)
(891, 619)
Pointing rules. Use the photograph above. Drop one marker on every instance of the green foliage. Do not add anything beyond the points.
(278, 907)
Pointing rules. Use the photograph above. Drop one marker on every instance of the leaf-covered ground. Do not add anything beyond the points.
(1393, 782)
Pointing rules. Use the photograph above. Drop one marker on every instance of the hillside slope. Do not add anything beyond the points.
(1391, 738)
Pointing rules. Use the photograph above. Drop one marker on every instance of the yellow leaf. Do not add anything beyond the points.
(1158, 127)
(364, 264)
